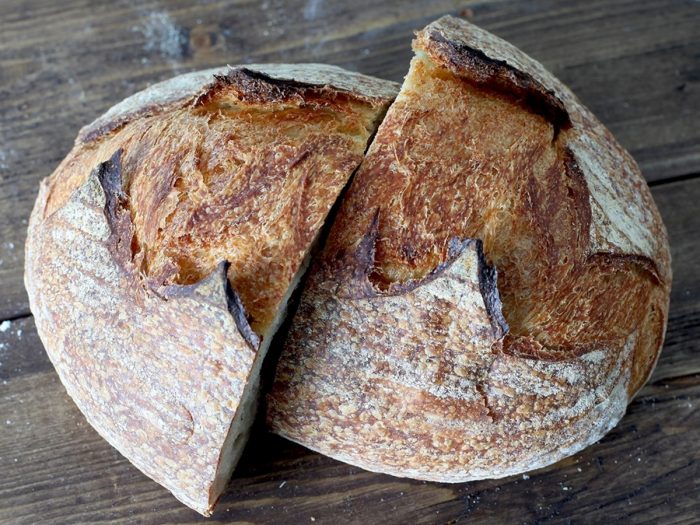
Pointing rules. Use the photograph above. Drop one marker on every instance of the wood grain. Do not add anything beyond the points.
(635, 63)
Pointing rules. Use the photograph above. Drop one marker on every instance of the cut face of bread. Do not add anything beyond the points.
(408, 355)
(162, 252)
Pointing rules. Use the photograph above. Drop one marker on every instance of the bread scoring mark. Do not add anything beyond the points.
(417, 383)
(448, 308)
(109, 174)
(488, 284)
(247, 86)
(216, 290)
(180, 91)
(624, 214)
(219, 154)
(355, 273)
(254, 87)
(476, 66)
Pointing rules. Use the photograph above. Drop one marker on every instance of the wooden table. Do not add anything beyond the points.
(636, 64)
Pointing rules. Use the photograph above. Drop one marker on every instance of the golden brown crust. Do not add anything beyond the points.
(162, 250)
(442, 41)
(128, 358)
(410, 379)
(199, 175)
(179, 91)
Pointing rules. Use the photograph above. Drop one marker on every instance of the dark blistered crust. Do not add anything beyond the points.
(109, 174)
(488, 284)
(254, 87)
(474, 65)
(255, 84)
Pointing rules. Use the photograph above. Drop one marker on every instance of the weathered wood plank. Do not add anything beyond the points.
(61, 64)
(678, 203)
(56, 469)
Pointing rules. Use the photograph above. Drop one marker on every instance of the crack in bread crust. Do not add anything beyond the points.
(476, 66)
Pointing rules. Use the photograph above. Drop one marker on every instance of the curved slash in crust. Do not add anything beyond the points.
(473, 64)
(261, 82)
(163, 380)
(157, 291)
(352, 271)
(488, 284)
(424, 378)
(216, 289)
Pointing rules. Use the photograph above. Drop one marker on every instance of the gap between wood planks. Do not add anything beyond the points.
(669, 180)
(23, 314)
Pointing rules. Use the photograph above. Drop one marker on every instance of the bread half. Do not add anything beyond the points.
(162, 251)
(495, 287)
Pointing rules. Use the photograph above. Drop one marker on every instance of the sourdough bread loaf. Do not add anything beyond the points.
(495, 286)
(162, 251)
(493, 291)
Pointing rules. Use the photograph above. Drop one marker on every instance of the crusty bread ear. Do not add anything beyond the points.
(162, 252)
(408, 355)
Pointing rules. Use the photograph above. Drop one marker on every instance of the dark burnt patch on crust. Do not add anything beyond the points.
(473, 65)
(109, 175)
(257, 88)
(488, 285)
(216, 290)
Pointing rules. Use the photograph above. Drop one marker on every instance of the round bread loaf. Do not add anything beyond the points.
(163, 249)
(495, 286)
(492, 293)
